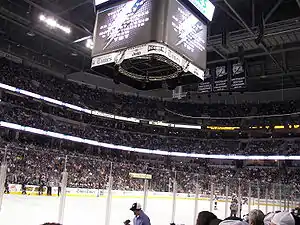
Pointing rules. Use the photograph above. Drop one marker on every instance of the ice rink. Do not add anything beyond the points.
(35, 210)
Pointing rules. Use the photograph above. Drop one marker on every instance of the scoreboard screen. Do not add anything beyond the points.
(99, 2)
(205, 7)
(123, 26)
(133, 24)
(186, 34)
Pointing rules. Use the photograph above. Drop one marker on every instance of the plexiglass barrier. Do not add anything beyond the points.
(93, 191)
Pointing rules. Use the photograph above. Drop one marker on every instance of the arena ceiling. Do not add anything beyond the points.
(272, 60)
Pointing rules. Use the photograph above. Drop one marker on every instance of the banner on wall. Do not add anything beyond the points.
(221, 79)
(238, 77)
(206, 85)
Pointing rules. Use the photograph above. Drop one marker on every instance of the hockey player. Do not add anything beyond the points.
(59, 189)
(245, 201)
(215, 202)
(23, 187)
(233, 209)
(6, 187)
(234, 198)
(41, 186)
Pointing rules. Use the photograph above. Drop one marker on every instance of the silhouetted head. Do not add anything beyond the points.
(205, 218)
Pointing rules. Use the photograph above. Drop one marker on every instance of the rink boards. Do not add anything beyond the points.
(15, 189)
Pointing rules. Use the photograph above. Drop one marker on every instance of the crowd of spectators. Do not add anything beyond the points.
(254, 217)
(108, 132)
(133, 106)
(33, 163)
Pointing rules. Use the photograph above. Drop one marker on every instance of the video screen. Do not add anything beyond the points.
(99, 2)
(122, 26)
(186, 34)
(205, 7)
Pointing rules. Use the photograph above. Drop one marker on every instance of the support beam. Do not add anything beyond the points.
(263, 46)
(284, 60)
(298, 2)
(73, 7)
(253, 12)
(239, 18)
(269, 15)
(219, 53)
(255, 55)
(229, 14)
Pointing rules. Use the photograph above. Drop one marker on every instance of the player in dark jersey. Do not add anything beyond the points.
(215, 202)
(59, 189)
(41, 186)
(233, 209)
(23, 187)
(6, 187)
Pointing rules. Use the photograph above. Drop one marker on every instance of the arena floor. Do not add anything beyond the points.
(35, 210)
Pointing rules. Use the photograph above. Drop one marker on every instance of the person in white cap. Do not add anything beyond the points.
(269, 217)
(233, 221)
(283, 218)
(140, 217)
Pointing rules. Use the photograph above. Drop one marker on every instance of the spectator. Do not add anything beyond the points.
(256, 217)
(206, 218)
(283, 218)
(140, 217)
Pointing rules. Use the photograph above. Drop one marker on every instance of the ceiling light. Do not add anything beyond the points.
(89, 43)
(53, 23)
(42, 17)
(30, 34)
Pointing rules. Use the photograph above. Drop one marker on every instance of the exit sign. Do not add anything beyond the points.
(205, 7)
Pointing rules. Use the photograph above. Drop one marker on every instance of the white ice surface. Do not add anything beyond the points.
(36, 210)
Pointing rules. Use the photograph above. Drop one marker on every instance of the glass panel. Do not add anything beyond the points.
(257, 195)
(262, 196)
(87, 184)
(186, 190)
(160, 200)
(235, 198)
(29, 178)
(205, 184)
(221, 190)
(244, 189)
(268, 198)
(280, 197)
(285, 191)
(288, 194)
(127, 190)
(296, 197)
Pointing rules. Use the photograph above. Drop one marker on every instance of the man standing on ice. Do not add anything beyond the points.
(140, 217)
